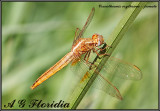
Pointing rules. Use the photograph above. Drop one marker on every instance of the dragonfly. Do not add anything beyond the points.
(80, 53)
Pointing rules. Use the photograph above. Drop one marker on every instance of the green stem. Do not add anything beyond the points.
(116, 36)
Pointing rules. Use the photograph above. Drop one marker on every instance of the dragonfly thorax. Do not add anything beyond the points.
(98, 39)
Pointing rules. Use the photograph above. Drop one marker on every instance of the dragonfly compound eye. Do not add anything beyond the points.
(98, 39)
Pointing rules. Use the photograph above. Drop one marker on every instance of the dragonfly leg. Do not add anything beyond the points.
(88, 62)
(103, 48)
(87, 55)
(96, 51)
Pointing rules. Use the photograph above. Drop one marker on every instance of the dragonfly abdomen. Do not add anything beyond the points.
(58, 66)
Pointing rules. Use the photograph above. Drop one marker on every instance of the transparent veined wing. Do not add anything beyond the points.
(117, 71)
(121, 69)
(81, 69)
(79, 33)
(76, 35)
(78, 67)
(114, 70)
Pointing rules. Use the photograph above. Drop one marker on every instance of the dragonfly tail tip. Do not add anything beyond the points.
(32, 87)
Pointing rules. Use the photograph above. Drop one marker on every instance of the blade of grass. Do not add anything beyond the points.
(115, 37)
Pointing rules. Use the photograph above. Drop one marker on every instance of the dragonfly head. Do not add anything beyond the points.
(98, 39)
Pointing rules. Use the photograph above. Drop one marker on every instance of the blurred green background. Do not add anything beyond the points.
(35, 35)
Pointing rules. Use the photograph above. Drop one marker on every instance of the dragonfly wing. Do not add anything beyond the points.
(81, 68)
(76, 34)
(89, 19)
(118, 68)
(105, 85)
(78, 67)
(80, 33)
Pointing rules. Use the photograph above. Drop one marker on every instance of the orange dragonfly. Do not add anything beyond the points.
(80, 53)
